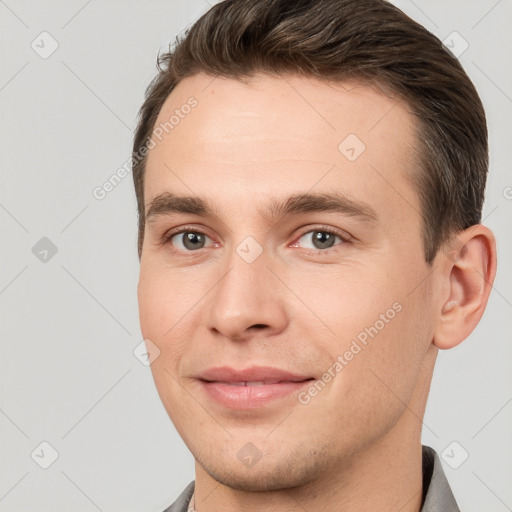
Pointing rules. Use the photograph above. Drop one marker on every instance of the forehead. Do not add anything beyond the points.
(289, 134)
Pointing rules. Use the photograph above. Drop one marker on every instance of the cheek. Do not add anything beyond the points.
(162, 299)
(378, 327)
(157, 315)
(347, 300)
(169, 311)
(151, 298)
(385, 371)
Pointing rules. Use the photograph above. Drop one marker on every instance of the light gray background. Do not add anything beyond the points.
(69, 324)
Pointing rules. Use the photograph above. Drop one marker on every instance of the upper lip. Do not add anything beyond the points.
(251, 374)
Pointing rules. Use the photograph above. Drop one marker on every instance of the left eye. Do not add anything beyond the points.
(321, 239)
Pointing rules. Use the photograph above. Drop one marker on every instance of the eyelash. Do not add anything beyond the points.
(345, 238)
(324, 229)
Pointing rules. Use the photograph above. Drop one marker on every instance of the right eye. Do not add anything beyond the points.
(188, 240)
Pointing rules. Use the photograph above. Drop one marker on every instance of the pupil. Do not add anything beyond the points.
(322, 240)
(190, 240)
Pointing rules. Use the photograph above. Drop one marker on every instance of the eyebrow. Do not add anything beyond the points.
(168, 203)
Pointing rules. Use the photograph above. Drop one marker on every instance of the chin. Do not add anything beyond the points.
(250, 480)
(268, 475)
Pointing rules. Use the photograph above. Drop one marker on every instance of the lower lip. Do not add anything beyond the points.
(250, 397)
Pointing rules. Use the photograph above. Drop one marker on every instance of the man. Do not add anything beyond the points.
(310, 178)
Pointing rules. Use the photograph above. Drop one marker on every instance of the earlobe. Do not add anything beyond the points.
(470, 271)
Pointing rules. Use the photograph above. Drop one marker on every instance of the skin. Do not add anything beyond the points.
(356, 445)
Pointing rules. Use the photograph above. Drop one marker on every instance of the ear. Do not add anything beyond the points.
(469, 261)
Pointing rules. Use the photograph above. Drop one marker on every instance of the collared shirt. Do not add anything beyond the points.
(437, 495)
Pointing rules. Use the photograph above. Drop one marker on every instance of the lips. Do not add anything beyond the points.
(250, 388)
(251, 382)
(253, 374)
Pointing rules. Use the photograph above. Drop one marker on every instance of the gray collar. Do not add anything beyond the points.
(437, 495)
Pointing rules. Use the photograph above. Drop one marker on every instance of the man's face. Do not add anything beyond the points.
(246, 289)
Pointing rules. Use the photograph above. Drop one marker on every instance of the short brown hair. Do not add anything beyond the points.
(335, 40)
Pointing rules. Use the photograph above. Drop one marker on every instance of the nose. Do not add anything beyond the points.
(247, 300)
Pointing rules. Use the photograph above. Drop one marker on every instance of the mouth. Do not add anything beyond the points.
(252, 388)
(256, 374)
(256, 383)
